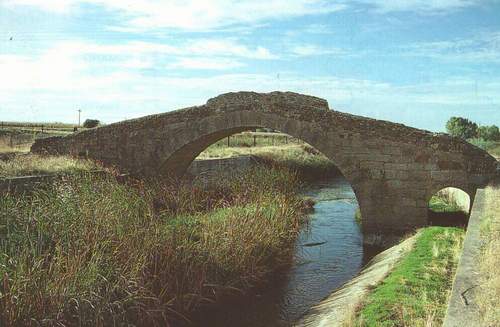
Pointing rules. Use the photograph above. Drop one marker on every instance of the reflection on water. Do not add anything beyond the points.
(329, 252)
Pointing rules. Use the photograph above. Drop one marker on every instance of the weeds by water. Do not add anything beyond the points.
(416, 292)
(91, 252)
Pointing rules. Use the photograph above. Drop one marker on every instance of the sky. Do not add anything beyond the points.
(416, 62)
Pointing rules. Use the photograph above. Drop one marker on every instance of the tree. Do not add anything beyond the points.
(489, 133)
(91, 123)
(461, 127)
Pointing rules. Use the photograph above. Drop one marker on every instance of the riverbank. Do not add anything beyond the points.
(88, 250)
(339, 308)
(406, 285)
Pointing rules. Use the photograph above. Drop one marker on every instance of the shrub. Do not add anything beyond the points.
(488, 133)
(91, 123)
(461, 127)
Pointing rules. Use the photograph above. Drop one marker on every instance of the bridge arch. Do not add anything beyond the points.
(178, 162)
(449, 206)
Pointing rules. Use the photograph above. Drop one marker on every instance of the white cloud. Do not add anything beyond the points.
(57, 6)
(306, 50)
(206, 63)
(421, 6)
(318, 29)
(227, 47)
(193, 14)
(483, 47)
(203, 47)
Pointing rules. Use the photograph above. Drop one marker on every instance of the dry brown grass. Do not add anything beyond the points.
(16, 149)
(488, 298)
(89, 251)
(31, 164)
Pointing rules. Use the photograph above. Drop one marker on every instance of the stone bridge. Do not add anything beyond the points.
(393, 169)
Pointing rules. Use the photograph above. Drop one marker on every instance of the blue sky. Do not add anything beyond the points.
(416, 62)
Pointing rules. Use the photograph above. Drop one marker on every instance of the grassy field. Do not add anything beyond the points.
(309, 163)
(416, 292)
(31, 164)
(92, 252)
(42, 127)
(14, 149)
(489, 295)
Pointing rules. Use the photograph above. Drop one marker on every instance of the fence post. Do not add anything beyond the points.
(228, 141)
(255, 140)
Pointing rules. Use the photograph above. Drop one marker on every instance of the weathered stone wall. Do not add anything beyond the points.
(393, 169)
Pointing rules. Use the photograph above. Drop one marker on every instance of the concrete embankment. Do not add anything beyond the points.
(462, 308)
(208, 169)
(338, 308)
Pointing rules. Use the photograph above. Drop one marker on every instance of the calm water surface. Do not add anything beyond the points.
(317, 270)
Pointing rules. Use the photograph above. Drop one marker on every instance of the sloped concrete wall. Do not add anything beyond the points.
(462, 308)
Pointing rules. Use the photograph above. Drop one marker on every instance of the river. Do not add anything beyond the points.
(329, 252)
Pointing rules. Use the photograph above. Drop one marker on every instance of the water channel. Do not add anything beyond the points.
(329, 252)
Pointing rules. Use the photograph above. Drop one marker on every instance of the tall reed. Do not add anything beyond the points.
(91, 252)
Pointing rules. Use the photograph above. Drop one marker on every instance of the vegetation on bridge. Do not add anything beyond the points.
(92, 252)
(416, 292)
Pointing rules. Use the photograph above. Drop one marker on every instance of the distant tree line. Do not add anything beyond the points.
(466, 129)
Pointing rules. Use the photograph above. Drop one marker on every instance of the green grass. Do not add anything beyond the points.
(443, 203)
(91, 252)
(416, 292)
(30, 164)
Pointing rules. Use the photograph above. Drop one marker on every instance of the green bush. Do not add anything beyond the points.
(91, 123)
(461, 127)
